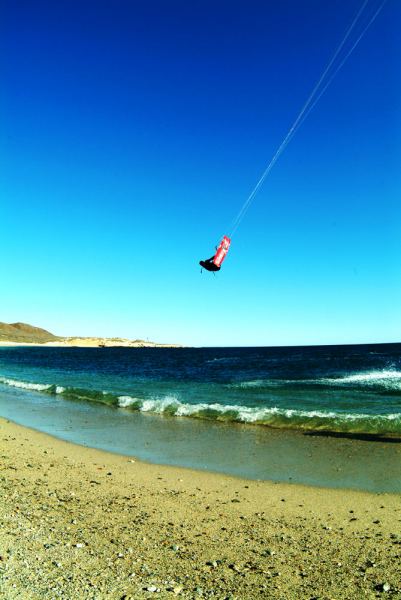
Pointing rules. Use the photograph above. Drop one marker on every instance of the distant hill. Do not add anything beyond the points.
(24, 333)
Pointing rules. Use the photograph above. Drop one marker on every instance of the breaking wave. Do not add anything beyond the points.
(388, 381)
(389, 376)
(224, 360)
(25, 385)
(276, 417)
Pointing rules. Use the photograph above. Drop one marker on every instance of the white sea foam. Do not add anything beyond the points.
(25, 385)
(160, 405)
(224, 359)
(252, 384)
(388, 378)
(373, 376)
(385, 378)
(124, 401)
(246, 414)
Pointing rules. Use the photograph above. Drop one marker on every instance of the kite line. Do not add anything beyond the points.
(329, 72)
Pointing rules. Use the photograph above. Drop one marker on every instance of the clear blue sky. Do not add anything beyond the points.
(131, 134)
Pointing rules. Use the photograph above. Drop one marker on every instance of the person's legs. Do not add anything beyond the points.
(209, 265)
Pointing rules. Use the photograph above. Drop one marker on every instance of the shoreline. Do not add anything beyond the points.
(255, 453)
(78, 342)
(86, 523)
(53, 440)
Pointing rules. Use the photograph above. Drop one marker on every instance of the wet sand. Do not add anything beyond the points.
(82, 523)
(251, 452)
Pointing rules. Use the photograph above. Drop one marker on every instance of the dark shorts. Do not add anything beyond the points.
(209, 266)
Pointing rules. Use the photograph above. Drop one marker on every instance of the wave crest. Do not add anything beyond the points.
(368, 377)
(25, 385)
(387, 380)
(170, 405)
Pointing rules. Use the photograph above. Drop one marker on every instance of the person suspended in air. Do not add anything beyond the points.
(214, 263)
(209, 265)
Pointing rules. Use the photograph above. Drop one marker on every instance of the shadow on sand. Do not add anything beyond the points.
(365, 437)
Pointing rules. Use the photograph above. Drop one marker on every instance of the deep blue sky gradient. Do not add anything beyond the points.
(131, 134)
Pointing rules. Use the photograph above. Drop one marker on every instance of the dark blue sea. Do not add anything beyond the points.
(327, 415)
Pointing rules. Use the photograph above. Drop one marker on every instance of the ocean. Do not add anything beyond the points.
(174, 405)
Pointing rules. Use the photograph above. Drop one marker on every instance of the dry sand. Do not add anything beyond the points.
(81, 523)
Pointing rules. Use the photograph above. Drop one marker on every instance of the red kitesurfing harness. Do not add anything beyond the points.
(214, 263)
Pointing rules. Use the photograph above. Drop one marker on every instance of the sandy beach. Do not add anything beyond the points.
(82, 523)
